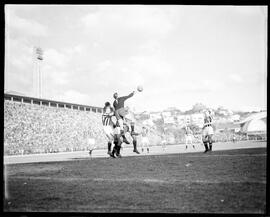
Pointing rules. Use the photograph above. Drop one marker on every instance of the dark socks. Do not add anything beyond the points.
(118, 145)
(206, 146)
(125, 139)
(134, 144)
(109, 146)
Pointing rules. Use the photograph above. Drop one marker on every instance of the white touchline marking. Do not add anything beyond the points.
(226, 155)
(145, 180)
(6, 182)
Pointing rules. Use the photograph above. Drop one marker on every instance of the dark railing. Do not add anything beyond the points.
(51, 103)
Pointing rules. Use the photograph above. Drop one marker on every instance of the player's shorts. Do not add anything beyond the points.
(145, 140)
(108, 130)
(120, 113)
(116, 131)
(208, 131)
(189, 137)
(92, 143)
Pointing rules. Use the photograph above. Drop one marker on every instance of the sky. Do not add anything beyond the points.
(181, 55)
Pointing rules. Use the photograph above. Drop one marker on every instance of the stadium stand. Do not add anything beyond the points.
(33, 126)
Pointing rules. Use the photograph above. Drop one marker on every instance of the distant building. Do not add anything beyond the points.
(166, 114)
(155, 116)
(235, 118)
(173, 110)
(169, 120)
(142, 116)
(148, 122)
(227, 126)
(254, 124)
(167, 117)
(181, 120)
(197, 119)
(222, 111)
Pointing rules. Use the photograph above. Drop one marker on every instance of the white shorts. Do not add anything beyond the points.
(108, 130)
(145, 141)
(92, 143)
(208, 131)
(116, 131)
(189, 138)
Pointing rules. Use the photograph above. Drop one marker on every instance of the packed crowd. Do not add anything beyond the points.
(229, 137)
(30, 128)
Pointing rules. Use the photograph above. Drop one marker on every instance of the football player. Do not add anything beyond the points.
(207, 131)
(118, 140)
(189, 137)
(134, 137)
(91, 142)
(145, 140)
(120, 111)
(107, 123)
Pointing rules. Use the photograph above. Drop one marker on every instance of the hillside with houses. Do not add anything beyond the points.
(173, 121)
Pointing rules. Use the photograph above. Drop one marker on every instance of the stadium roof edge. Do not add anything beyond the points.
(47, 100)
(256, 116)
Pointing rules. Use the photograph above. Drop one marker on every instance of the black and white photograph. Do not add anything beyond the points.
(135, 109)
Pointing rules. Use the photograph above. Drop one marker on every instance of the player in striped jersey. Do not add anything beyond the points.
(108, 113)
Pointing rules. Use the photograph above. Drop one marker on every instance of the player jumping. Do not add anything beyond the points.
(120, 111)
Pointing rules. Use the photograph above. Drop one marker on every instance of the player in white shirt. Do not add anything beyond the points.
(163, 140)
(91, 142)
(189, 137)
(145, 141)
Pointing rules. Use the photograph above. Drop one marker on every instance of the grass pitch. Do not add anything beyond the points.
(231, 181)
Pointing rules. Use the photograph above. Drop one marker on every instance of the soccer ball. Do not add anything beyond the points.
(140, 88)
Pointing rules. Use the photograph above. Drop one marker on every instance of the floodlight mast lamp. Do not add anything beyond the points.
(38, 59)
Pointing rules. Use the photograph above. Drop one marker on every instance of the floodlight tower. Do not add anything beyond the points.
(37, 73)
